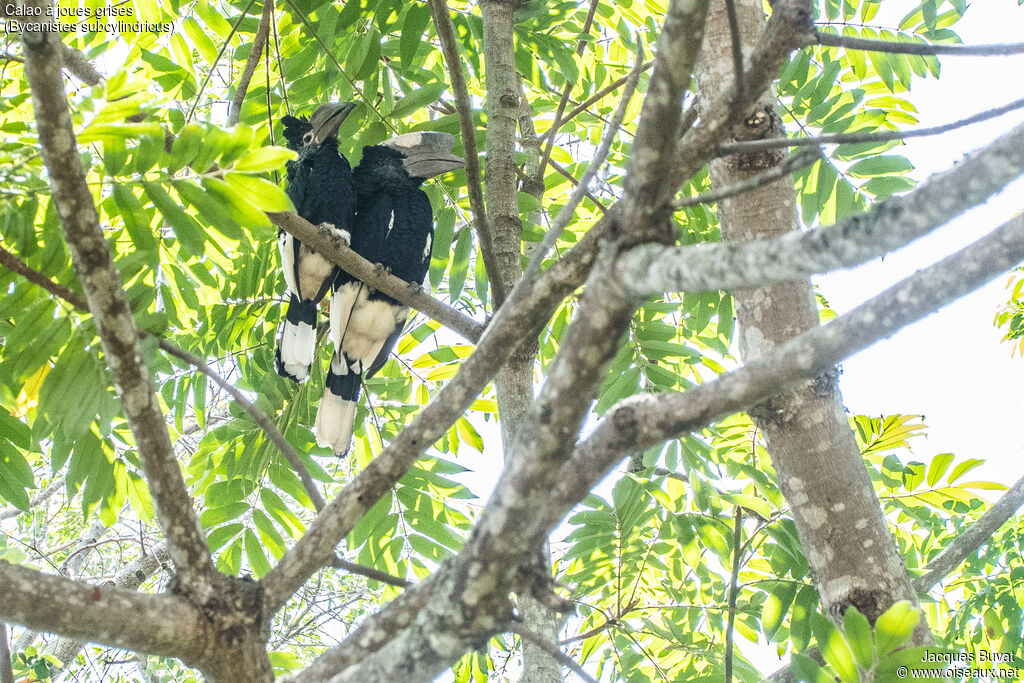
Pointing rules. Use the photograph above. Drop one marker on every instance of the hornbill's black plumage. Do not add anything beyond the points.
(394, 226)
(320, 185)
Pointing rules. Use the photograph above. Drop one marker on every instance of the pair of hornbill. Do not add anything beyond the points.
(381, 212)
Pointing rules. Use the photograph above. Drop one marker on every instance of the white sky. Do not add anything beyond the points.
(951, 367)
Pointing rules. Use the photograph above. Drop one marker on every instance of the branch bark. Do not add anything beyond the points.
(886, 226)
(409, 294)
(259, 42)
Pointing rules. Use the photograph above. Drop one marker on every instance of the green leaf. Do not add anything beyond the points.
(776, 607)
(806, 669)
(460, 265)
(895, 627)
(262, 194)
(859, 637)
(254, 553)
(834, 649)
(416, 100)
(15, 476)
(264, 159)
(416, 20)
(940, 463)
(190, 234)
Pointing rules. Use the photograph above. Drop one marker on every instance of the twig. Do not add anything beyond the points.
(43, 495)
(104, 291)
(566, 91)
(370, 572)
(901, 48)
(737, 529)
(16, 265)
(410, 294)
(737, 68)
(566, 213)
(220, 53)
(553, 650)
(564, 172)
(251, 62)
(791, 163)
(600, 94)
(446, 35)
(971, 539)
(853, 138)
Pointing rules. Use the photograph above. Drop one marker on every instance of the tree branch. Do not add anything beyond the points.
(16, 265)
(972, 538)
(908, 48)
(156, 624)
(646, 420)
(553, 650)
(6, 670)
(739, 147)
(410, 294)
(446, 35)
(795, 255)
(112, 315)
(259, 41)
(791, 163)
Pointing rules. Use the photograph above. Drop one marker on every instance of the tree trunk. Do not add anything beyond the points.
(851, 553)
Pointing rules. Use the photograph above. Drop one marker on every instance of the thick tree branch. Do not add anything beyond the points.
(909, 48)
(446, 35)
(111, 312)
(646, 420)
(888, 225)
(259, 41)
(744, 146)
(156, 624)
(409, 294)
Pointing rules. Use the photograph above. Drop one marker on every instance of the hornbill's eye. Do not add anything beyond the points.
(307, 138)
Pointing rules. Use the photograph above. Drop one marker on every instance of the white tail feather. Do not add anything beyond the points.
(297, 346)
(335, 418)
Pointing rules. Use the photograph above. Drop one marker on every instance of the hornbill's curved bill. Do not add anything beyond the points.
(394, 226)
(320, 186)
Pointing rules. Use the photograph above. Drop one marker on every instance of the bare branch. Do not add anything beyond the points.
(734, 575)
(259, 41)
(795, 255)
(909, 48)
(409, 294)
(16, 265)
(645, 420)
(972, 538)
(600, 94)
(157, 624)
(111, 313)
(446, 34)
(736, 45)
(787, 166)
(564, 172)
(854, 138)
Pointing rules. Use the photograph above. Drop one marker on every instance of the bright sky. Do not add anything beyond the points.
(951, 367)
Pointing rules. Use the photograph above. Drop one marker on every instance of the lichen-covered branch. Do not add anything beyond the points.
(645, 420)
(156, 624)
(886, 226)
(109, 306)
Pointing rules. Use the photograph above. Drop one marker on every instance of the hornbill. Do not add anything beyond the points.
(393, 227)
(320, 185)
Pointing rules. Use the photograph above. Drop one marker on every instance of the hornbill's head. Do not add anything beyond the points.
(427, 154)
(305, 134)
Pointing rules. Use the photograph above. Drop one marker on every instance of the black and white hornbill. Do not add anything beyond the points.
(394, 227)
(320, 185)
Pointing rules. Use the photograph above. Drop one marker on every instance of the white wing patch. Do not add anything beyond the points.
(285, 246)
(391, 225)
(428, 246)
